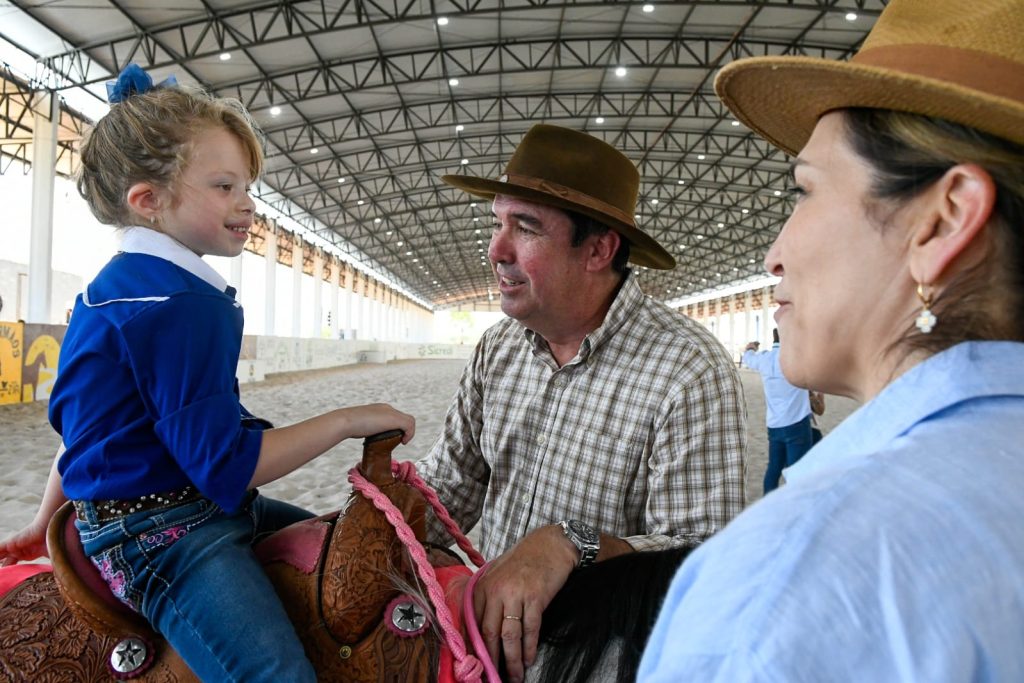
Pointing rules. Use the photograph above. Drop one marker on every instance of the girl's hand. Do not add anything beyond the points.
(375, 418)
(26, 545)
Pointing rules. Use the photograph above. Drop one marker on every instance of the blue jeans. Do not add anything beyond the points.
(786, 445)
(191, 572)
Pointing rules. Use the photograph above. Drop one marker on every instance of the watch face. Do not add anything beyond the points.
(584, 531)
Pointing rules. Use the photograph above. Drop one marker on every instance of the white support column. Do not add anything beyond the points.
(732, 325)
(296, 286)
(766, 322)
(270, 278)
(357, 305)
(46, 120)
(335, 293)
(318, 292)
(748, 317)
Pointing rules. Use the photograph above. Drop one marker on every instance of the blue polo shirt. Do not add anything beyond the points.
(146, 399)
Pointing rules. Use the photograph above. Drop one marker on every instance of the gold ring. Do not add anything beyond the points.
(513, 617)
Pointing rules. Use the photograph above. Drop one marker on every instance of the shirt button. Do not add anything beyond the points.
(560, 382)
(526, 499)
(542, 439)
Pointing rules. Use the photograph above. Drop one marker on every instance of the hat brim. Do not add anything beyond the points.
(782, 98)
(643, 250)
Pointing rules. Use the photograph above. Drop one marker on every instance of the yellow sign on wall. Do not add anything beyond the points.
(12, 336)
(42, 357)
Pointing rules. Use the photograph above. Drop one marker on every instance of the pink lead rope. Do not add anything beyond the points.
(468, 668)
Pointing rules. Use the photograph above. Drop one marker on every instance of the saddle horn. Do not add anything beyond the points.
(376, 462)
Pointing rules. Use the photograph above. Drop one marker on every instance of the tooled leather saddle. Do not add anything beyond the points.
(337, 576)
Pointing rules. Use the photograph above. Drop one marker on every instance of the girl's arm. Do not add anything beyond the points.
(287, 448)
(30, 542)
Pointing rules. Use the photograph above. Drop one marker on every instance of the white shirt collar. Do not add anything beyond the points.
(140, 240)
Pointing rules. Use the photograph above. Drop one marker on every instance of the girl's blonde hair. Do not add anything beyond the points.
(147, 138)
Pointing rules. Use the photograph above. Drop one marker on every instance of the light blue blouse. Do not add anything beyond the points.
(895, 552)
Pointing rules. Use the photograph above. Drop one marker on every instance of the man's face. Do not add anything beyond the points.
(537, 267)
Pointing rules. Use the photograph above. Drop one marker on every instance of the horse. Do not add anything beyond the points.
(369, 599)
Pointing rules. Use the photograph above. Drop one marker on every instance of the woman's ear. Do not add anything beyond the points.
(948, 228)
(145, 201)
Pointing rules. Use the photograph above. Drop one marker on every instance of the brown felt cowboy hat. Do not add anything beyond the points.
(951, 59)
(572, 170)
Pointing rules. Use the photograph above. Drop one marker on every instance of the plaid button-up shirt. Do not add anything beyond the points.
(642, 434)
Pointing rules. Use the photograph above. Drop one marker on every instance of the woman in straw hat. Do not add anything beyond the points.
(896, 549)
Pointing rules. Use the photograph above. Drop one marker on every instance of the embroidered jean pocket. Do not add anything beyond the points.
(156, 531)
(119, 576)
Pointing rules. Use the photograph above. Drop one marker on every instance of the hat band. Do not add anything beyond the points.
(568, 194)
(970, 69)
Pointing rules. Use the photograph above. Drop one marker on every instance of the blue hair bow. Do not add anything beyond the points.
(133, 81)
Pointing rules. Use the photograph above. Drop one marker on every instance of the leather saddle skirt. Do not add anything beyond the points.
(338, 577)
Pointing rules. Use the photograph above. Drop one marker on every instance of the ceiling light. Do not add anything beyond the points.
(479, 241)
(778, 193)
(746, 210)
(314, 150)
(401, 243)
(225, 56)
(681, 182)
(465, 161)
(654, 201)
(473, 205)
(453, 82)
(701, 157)
(376, 220)
(752, 260)
(851, 16)
(477, 219)
(721, 225)
(599, 120)
(415, 260)
(442, 21)
(459, 128)
(408, 253)
(275, 111)
(360, 202)
(735, 123)
(341, 180)
(700, 237)
(477, 231)
(648, 8)
(620, 71)
(390, 231)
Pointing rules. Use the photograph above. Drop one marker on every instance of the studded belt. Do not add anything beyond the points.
(109, 510)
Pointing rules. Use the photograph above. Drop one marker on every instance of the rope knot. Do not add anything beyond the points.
(468, 669)
(403, 471)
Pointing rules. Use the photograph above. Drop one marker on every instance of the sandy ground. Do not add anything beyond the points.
(422, 388)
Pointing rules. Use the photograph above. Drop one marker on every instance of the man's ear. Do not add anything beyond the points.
(145, 200)
(602, 250)
(952, 214)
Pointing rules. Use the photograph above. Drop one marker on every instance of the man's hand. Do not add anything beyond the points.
(513, 593)
(753, 346)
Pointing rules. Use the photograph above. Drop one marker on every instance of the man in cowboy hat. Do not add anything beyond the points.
(594, 421)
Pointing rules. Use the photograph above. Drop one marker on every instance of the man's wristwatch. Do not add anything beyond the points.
(584, 537)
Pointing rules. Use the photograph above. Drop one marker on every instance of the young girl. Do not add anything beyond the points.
(162, 461)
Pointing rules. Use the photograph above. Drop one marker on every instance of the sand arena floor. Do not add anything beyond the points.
(421, 388)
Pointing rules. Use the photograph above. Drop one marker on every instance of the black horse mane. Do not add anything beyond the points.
(611, 602)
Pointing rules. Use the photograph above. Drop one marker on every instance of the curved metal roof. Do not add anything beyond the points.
(365, 104)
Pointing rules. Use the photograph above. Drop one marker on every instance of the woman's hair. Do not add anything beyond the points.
(909, 153)
(147, 138)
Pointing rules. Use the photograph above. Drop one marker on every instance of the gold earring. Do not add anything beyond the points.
(926, 319)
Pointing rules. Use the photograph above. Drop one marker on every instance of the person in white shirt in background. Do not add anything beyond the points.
(788, 412)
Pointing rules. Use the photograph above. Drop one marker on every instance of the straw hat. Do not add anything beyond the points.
(951, 59)
(571, 170)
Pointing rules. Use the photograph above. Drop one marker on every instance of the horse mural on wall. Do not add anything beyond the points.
(368, 600)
